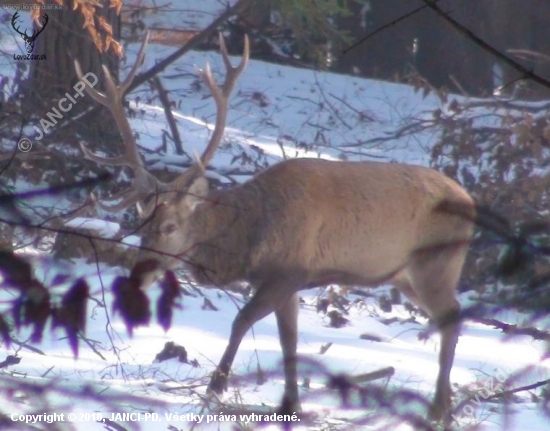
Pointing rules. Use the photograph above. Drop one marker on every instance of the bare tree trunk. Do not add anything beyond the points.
(447, 58)
(63, 41)
(387, 54)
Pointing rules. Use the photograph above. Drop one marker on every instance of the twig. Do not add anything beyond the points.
(509, 104)
(374, 375)
(45, 373)
(480, 42)
(333, 109)
(111, 425)
(385, 26)
(361, 114)
(91, 346)
(163, 96)
(27, 346)
(504, 394)
(514, 329)
(191, 44)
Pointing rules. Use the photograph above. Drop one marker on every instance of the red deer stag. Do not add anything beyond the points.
(299, 224)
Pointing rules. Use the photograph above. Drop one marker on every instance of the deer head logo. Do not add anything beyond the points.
(29, 40)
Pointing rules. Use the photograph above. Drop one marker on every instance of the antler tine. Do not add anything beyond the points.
(111, 161)
(134, 196)
(233, 72)
(144, 182)
(146, 209)
(128, 198)
(94, 94)
(221, 96)
(139, 60)
(112, 100)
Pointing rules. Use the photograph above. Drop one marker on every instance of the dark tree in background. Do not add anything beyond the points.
(446, 58)
(83, 31)
(390, 52)
(411, 39)
(66, 38)
(423, 42)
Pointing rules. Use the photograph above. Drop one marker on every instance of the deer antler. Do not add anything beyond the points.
(146, 184)
(221, 95)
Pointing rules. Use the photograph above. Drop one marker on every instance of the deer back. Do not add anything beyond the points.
(361, 220)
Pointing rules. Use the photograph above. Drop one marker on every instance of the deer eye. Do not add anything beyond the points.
(168, 229)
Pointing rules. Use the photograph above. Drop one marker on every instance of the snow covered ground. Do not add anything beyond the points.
(282, 111)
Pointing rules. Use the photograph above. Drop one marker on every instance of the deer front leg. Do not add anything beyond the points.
(266, 300)
(287, 322)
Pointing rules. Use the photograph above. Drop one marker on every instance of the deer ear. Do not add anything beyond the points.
(196, 193)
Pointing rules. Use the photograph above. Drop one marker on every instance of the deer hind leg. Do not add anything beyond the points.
(434, 276)
(287, 322)
(267, 299)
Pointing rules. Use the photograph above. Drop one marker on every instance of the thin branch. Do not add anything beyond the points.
(330, 105)
(385, 26)
(92, 346)
(191, 44)
(163, 96)
(504, 394)
(27, 346)
(163, 64)
(360, 114)
(508, 329)
(484, 45)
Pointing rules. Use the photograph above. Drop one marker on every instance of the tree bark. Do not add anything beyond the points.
(63, 41)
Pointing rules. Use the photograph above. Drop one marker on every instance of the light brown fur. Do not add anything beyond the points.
(311, 222)
(299, 224)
